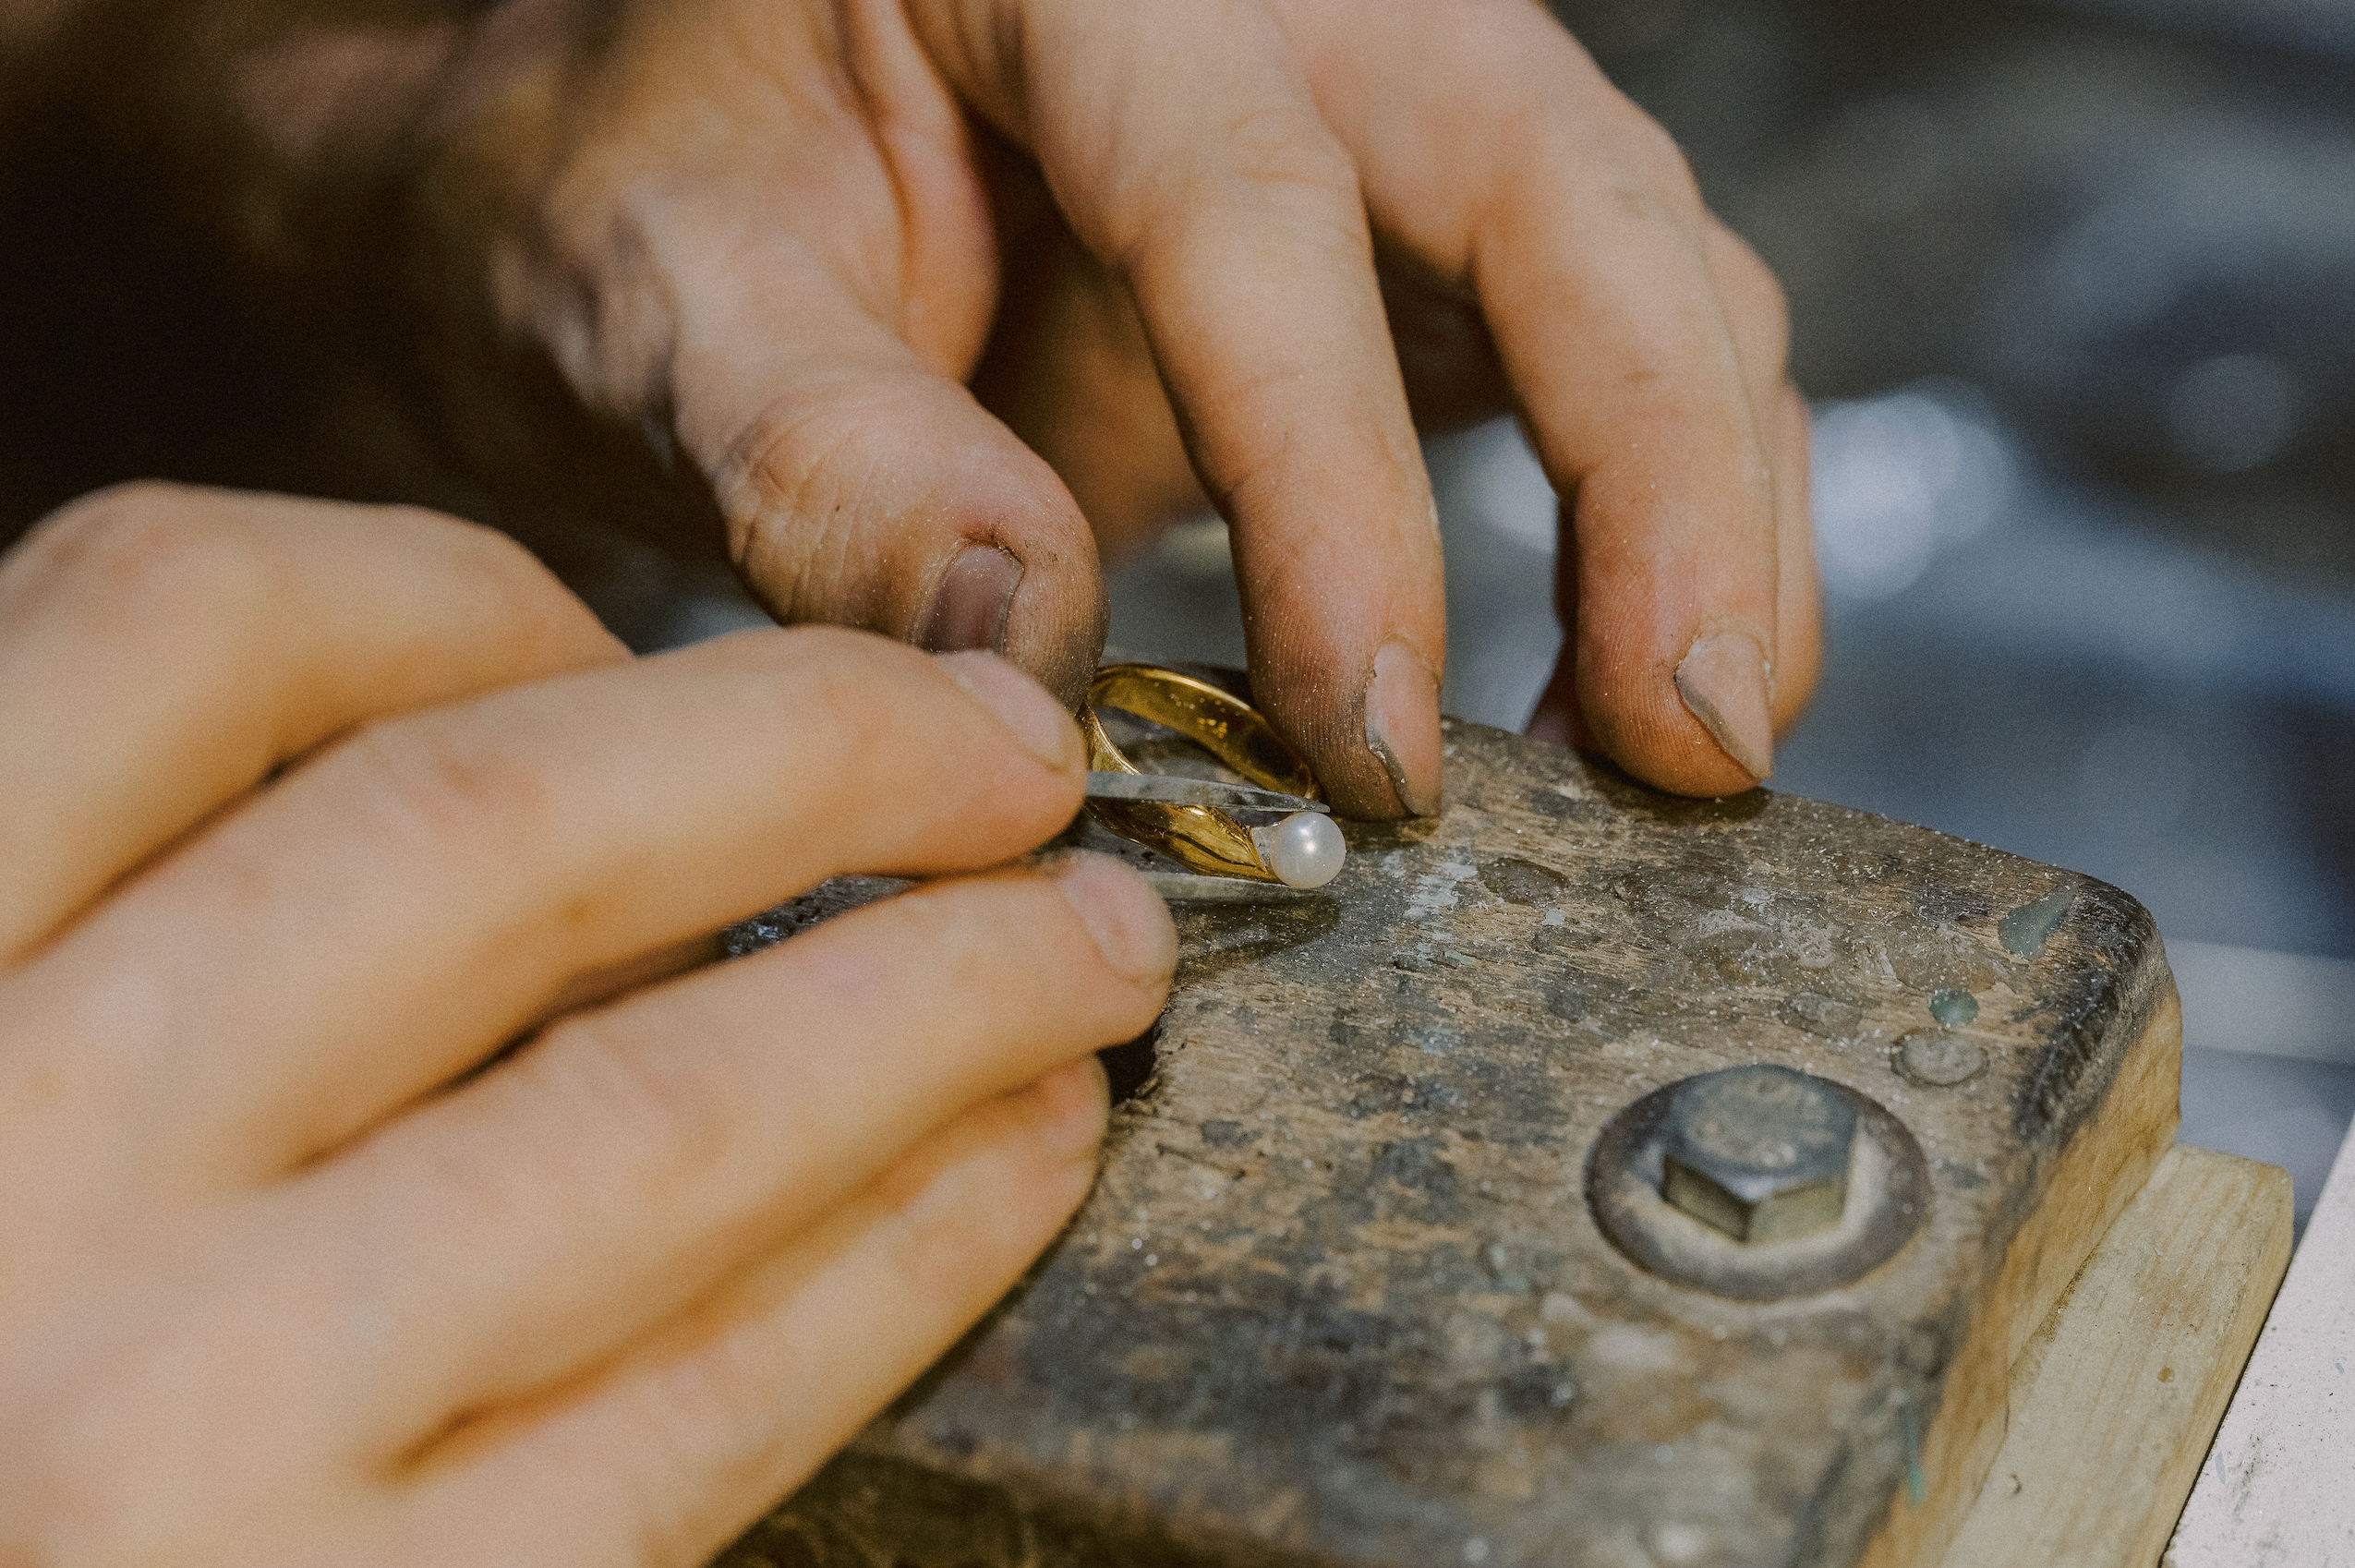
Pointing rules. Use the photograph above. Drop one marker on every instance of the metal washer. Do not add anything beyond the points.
(1889, 1196)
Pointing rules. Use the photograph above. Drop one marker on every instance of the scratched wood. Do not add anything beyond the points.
(2115, 1398)
(1338, 1297)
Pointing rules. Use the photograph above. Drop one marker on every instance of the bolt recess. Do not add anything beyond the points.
(1758, 1152)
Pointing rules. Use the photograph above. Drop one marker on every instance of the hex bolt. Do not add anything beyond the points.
(1758, 1152)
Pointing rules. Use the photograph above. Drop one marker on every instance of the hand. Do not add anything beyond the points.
(917, 291)
(314, 811)
(778, 229)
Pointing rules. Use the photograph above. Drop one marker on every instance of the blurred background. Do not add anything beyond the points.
(2072, 288)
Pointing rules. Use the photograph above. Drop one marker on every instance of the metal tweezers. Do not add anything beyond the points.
(1181, 887)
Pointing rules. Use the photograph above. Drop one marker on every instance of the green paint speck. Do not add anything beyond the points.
(1954, 1006)
(2026, 929)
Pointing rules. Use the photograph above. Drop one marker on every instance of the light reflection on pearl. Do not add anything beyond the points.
(1304, 851)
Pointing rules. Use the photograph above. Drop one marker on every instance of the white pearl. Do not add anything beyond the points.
(1304, 850)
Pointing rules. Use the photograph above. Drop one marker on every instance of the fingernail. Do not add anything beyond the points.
(1402, 726)
(1068, 1106)
(1129, 922)
(969, 608)
(1036, 718)
(1725, 683)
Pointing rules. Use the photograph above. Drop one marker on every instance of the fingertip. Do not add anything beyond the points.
(1023, 581)
(1402, 727)
(1725, 682)
(1060, 639)
(879, 496)
(1068, 1107)
(1043, 725)
(1645, 716)
(1130, 925)
(970, 607)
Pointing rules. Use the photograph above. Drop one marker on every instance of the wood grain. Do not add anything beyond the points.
(2098, 1174)
(2116, 1396)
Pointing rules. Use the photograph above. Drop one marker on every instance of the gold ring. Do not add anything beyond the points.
(1303, 851)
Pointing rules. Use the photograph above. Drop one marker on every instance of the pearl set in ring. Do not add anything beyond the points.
(1305, 849)
(1207, 826)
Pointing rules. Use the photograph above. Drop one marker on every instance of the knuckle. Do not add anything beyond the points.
(661, 1116)
(1001, 942)
(530, 602)
(1646, 176)
(429, 786)
(867, 704)
(848, 689)
(472, 1185)
(1751, 288)
(1654, 155)
(155, 550)
(1275, 161)
(969, 929)
(788, 456)
(136, 505)
(960, 1244)
(1280, 145)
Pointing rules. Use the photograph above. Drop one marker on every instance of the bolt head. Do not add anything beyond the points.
(1758, 1152)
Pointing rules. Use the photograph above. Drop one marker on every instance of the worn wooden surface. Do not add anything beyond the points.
(2278, 1489)
(2093, 1179)
(2114, 1398)
(1338, 1297)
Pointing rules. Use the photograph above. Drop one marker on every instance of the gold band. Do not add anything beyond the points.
(1202, 838)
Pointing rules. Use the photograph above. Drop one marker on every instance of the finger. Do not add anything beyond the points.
(1757, 315)
(801, 313)
(1181, 142)
(1757, 321)
(1760, 323)
(1514, 166)
(396, 910)
(626, 1163)
(679, 1446)
(861, 490)
(163, 649)
(1672, 543)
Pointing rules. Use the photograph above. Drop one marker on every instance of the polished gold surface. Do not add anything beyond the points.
(1202, 838)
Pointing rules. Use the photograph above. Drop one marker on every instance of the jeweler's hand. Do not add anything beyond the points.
(913, 286)
(311, 811)
(776, 222)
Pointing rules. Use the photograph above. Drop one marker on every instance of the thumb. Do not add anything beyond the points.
(862, 489)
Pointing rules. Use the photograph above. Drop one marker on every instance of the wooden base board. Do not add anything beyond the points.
(2114, 1399)
(2098, 1174)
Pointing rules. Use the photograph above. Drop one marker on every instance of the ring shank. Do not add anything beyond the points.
(1202, 838)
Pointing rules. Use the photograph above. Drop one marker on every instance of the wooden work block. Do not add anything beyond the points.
(1344, 1295)
(2114, 1399)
